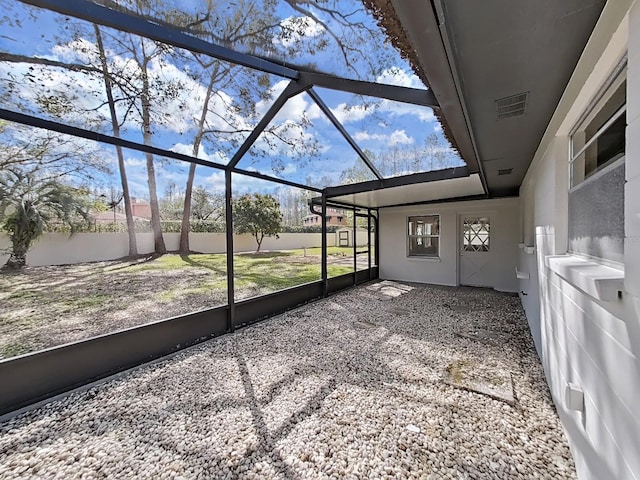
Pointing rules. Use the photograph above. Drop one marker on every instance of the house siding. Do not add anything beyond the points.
(395, 264)
(583, 339)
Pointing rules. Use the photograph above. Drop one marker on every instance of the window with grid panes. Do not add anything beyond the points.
(424, 236)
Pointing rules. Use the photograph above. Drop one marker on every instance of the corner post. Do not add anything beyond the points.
(369, 240)
(229, 232)
(355, 248)
(323, 256)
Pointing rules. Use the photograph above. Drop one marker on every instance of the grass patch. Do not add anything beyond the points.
(213, 261)
(14, 349)
(334, 251)
(218, 261)
(46, 307)
(206, 287)
(84, 302)
(24, 295)
(251, 271)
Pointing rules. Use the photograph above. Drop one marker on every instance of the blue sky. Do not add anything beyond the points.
(301, 144)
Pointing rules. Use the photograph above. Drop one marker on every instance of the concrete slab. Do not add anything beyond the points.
(488, 337)
(493, 382)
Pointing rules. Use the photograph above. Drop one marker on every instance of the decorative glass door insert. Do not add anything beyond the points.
(475, 234)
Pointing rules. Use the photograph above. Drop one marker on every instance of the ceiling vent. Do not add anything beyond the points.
(512, 106)
(505, 171)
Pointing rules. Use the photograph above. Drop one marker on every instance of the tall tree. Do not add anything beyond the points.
(216, 76)
(143, 53)
(30, 203)
(341, 30)
(207, 205)
(171, 203)
(259, 26)
(258, 215)
(42, 178)
(60, 101)
(359, 172)
(115, 125)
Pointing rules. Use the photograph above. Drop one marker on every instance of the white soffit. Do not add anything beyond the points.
(415, 193)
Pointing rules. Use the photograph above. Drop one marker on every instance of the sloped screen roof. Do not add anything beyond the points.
(232, 85)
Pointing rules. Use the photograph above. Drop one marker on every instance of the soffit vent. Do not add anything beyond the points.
(505, 171)
(512, 106)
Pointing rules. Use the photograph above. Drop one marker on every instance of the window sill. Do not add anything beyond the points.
(423, 259)
(529, 250)
(597, 280)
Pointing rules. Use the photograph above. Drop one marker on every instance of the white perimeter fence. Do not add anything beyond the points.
(62, 248)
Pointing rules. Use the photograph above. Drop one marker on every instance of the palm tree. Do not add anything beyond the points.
(28, 203)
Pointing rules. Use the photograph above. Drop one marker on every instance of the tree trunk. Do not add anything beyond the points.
(158, 239)
(259, 239)
(186, 212)
(19, 248)
(133, 247)
(17, 260)
(156, 226)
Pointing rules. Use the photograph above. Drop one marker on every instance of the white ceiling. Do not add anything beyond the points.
(415, 193)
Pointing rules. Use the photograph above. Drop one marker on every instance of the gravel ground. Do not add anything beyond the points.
(354, 386)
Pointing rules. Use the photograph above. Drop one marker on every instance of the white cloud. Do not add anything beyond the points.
(293, 110)
(351, 113)
(364, 136)
(297, 108)
(241, 184)
(400, 137)
(216, 181)
(135, 162)
(217, 157)
(424, 114)
(401, 78)
(286, 124)
(397, 137)
(61, 87)
(293, 29)
(288, 169)
(437, 127)
(276, 89)
(179, 96)
(80, 50)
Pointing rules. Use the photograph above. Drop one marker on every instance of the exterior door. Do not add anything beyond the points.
(475, 251)
(343, 238)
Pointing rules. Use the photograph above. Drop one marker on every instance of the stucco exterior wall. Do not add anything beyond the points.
(584, 338)
(395, 264)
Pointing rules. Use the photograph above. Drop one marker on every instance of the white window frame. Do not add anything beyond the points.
(423, 236)
(618, 76)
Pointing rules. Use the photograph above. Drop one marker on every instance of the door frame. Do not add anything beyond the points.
(459, 241)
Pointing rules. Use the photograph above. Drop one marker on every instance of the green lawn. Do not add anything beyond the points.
(42, 307)
(262, 271)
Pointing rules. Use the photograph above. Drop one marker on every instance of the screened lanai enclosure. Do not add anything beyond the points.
(319, 239)
(138, 129)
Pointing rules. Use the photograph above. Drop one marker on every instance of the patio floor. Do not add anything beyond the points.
(385, 380)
